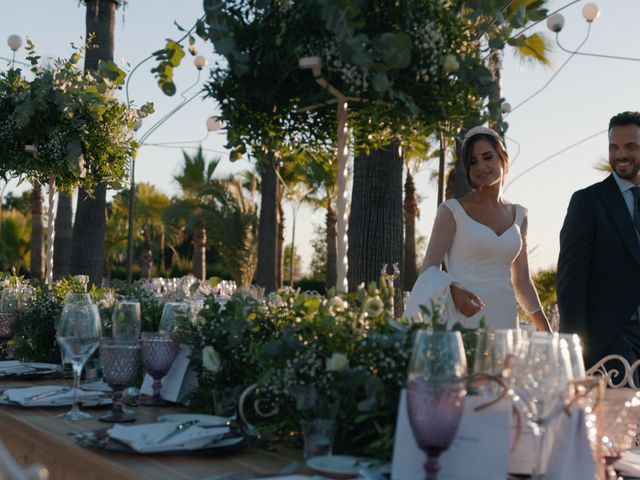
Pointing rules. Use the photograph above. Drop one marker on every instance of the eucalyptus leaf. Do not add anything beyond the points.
(225, 45)
(380, 82)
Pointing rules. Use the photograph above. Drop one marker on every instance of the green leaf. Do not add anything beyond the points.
(380, 82)
(75, 58)
(394, 49)
(225, 45)
(175, 53)
(110, 70)
(168, 88)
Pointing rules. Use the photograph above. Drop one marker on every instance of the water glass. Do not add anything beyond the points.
(318, 435)
(120, 363)
(159, 350)
(436, 388)
(78, 334)
(125, 322)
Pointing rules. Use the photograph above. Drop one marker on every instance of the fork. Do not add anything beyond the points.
(181, 427)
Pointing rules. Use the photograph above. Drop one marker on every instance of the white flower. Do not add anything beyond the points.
(336, 304)
(211, 359)
(374, 306)
(450, 64)
(337, 363)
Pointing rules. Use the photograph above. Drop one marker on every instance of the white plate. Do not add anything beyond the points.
(345, 464)
(203, 420)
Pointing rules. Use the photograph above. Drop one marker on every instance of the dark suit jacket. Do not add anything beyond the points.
(598, 268)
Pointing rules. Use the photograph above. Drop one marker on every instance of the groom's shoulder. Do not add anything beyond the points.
(596, 187)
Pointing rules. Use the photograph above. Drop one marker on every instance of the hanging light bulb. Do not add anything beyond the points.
(214, 124)
(200, 62)
(590, 12)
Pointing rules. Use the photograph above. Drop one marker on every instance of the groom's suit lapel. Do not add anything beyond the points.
(617, 209)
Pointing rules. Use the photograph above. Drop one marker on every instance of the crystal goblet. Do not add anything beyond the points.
(119, 362)
(436, 389)
(159, 350)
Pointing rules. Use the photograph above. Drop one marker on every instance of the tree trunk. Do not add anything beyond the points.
(267, 229)
(461, 187)
(163, 265)
(64, 236)
(375, 223)
(199, 262)
(89, 230)
(331, 219)
(36, 267)
(146, 262)
(280, 245)
(411, 212)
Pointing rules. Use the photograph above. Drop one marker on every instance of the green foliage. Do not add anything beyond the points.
(34, 328)
(82, 134)
(310, 356)
(15, 235)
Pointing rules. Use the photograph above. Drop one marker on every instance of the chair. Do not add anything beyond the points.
(12, 470)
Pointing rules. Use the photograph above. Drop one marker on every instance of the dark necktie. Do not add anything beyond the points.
(636, 207)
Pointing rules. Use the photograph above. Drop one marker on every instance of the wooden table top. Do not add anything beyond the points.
(36, 435)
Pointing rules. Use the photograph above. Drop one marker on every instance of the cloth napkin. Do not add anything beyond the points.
(629, 463)
(14, 367)
(144, 438)
(64, 396)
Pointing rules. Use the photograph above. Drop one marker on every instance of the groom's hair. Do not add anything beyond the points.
(625, 118)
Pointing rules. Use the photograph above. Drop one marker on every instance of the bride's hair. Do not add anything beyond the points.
(494, 140)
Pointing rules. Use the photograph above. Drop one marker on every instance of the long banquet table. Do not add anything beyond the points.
(36, 435)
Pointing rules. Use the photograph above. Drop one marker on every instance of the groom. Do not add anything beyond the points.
(599, 264)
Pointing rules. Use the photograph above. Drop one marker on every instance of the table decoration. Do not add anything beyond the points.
(17, 369)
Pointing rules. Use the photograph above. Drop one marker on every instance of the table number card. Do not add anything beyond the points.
(177, 381)
(479, 451)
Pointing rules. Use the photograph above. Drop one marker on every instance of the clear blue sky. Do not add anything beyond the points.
(576, 104)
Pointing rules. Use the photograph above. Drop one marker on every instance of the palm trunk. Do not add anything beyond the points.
(199, 262)
(163, 266)
(36, 267)
(267, 229)
(461, 187)
(375, 224)
(89, 231)
(64, 236)
(331, 220)
(411, 212)
(146, 261)
(280, 245)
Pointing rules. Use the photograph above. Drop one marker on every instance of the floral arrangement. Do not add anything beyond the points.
(73, 127)
(343, 357)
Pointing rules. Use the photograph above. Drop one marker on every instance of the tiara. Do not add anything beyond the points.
(480, 130)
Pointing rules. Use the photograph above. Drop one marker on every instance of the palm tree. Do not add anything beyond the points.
(233, 224)
(190, 208)
(36, 267)
(87, 256)
(150, 205)
(268, 230)
(64, 236)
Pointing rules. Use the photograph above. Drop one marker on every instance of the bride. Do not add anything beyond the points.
(482, 241)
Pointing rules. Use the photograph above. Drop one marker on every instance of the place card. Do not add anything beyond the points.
(480, 449)
(178, 381)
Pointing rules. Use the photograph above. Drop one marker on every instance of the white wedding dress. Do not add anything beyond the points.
(492, 266)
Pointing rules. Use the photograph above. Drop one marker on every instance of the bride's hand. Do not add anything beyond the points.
(467, 303)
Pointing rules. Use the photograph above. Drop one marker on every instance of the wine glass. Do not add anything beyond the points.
(575, 354)
(436, 389)
(495, 350)
(540, 386)
(78, 335)
(159, 350)
(171, 312)
(119, 362)
(125, 322)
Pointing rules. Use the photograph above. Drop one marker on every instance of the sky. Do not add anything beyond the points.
(554, 107)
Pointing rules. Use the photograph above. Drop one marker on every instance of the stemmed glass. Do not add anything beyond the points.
(436, 389)
(171, 312)
(159, 350)
(495, 351)
(125, 322)
(119, 362)
(78, 335)
(540, 386)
